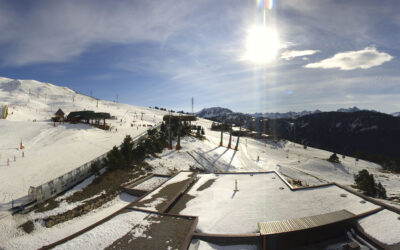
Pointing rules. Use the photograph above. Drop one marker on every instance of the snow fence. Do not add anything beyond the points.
(70, 179)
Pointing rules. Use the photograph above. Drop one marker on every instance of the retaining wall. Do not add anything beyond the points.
(66, 181)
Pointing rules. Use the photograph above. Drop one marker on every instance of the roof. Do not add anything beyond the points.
(275, 227)
(87, 114)
(59, 112)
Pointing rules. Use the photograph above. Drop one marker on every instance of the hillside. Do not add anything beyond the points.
(52, 151)
(364, 134)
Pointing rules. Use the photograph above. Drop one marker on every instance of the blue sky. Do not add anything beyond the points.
(332, 53)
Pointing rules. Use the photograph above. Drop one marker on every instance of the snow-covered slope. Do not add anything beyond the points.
(214, 112)
(52, 151)
(309, 165)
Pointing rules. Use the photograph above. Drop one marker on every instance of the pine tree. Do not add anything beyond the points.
(381, 191)
(334, 158)
(366, 183)
(126, 149)
(114, 159)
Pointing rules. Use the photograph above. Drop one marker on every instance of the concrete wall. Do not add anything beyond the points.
(70, 179)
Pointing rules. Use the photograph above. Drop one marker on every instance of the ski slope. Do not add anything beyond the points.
(52, 151)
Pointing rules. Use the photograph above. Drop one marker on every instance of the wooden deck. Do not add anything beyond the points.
(284, 226)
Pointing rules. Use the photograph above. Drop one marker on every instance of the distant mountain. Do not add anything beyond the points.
(368, 135)
(221, 114)
(214, 112)
(227, 116)
(290, 114)
(397, 114)
(348, 110)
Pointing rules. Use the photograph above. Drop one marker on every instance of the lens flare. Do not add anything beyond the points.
(262, 44)
(269, 4)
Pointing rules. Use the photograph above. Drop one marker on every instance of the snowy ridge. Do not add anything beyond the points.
(214, 112)
(52, 151)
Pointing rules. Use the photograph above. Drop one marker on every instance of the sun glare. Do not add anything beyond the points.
(262, 44)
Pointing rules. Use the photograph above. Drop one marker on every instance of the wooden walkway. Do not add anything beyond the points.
(284, 226)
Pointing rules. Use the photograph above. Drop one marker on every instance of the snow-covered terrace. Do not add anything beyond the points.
(262, 197)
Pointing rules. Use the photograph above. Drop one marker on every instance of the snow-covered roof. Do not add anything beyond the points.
(384, 226)
(261, 197)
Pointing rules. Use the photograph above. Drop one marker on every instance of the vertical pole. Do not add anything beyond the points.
(237, 142)
(169, 133)
(230, 137)
(178, 145)
(222, 133)
(265, 242)
(192, 106)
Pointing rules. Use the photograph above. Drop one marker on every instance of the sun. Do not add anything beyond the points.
(262, 45)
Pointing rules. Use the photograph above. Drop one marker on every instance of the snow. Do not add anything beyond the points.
(261, 199)
(177, 178)
(13, 238)
(310, 165)
(383, 226)
(203, 245)
(52, 151)
(78, 187)
(151, 183)
(133, 222)
(177, 160)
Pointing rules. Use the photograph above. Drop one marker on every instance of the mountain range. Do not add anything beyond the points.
(219, 111)
(369, 135)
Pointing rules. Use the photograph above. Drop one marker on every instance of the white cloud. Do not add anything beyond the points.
(56, 31)
(349, 60)
(290, 54)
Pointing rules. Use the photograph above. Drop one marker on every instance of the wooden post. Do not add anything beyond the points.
(237, 142)
(264, 242)
(230, 137)
(222, 133)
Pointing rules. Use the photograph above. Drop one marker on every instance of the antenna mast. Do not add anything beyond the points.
(192, 105)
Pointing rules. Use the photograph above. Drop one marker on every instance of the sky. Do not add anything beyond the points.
(317, 54)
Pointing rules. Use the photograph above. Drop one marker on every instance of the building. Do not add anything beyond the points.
(59, 116)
